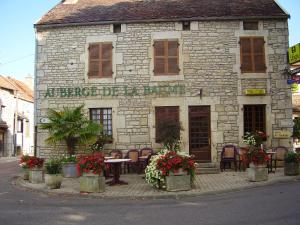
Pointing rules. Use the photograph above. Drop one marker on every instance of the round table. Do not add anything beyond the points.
(116, 170)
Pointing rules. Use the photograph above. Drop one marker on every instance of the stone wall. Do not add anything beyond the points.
(210, 63)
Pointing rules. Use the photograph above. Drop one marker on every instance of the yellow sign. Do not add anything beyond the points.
(294, 54)
(255, 91)
(282, 134)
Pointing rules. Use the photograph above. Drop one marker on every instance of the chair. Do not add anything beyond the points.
(242, 158)
(145, 154)
(117, 154)
(132, 154)
(279, 155)
(228, 155)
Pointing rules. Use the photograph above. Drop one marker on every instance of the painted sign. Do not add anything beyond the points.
(294, 54)
(255, 91)
(106, 91)
(282, 134)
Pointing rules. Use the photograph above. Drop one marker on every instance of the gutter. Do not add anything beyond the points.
(57, 25)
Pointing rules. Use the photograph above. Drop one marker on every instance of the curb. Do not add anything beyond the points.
(19, 182)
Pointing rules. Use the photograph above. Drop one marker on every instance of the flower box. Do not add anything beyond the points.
(36, 175)
(257, 172)
(69, 169)
(92, 183)
(178, 183)
(53, 181)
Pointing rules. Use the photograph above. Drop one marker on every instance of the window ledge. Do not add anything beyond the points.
(253, 75)
(166, 77)
(100, 80)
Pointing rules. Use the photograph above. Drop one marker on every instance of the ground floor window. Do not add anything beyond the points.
(254, 118)
(165, 115)
(103, 116)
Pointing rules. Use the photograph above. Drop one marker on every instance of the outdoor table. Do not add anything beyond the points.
(116, 170)
(108, 157)
(270, 165)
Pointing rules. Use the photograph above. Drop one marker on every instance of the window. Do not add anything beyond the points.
(254, 118)
(186, 25)
(166, 57)
(117, 28)
(100, 60)
(252, 55)
(103, 116)
(250, 25)
(163, 115)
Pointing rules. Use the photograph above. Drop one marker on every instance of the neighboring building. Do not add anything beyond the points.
(217, 67)
(16, 100)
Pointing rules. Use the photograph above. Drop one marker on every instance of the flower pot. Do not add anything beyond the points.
(25, 173)
(36, 175)
(69, 170)
(178, 172)
(53, 181)
(291, 168)
(178, 183)
(90, 182)
(257, 172)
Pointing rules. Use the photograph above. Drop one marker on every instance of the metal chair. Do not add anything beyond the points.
(228, 155)
(279, 156)
(132, 154)
(144, 157)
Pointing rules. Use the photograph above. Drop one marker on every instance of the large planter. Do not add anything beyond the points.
(53, 181)
(69, 170)
(257, 172)
(178, 182)
(291, 168)
(36, 175)
(92, 183)
(25, 173)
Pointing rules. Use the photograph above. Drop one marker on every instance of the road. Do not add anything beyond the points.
(271, 205)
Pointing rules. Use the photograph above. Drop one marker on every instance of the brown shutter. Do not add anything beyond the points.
(106, 60)
(252, 54)
(94, 60)
(259, 54)
(166, 57)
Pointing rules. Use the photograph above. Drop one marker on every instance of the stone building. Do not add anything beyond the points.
(16, 117)
(217, 68)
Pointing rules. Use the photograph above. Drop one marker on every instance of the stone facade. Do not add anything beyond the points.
(209, 56)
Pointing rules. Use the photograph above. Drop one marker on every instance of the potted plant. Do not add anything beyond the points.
(53, 177)
(35, 165)
(71, 127)
(174, 171)
(257, 156)
(24, 165)
(69, 165)
(92, 168)
(291, 163)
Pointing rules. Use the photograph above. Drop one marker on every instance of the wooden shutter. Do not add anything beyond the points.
(252, 55)
(166, 57)
(163, 114)
(100, 60)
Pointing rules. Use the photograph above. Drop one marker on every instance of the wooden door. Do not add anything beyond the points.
(1, 143)
(199, 133)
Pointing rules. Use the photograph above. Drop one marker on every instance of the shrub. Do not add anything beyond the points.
(53, 166)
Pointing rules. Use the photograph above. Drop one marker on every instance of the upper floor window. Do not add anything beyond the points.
(100, 60)
(252, 55)
(117, 28)
(250, 25)
(166, 57)
(186, 25)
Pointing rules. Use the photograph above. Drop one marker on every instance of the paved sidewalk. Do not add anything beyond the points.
(138, 188)
(8, 159)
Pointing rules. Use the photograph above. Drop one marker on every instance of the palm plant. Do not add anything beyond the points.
(70, 126)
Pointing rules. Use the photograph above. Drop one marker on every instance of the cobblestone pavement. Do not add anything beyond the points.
(138, 188)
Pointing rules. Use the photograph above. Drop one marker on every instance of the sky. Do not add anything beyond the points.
(17, 36)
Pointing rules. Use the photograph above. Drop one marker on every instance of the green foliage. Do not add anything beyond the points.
(291, 156)
(69, 159)
(70, 126)
(296, 128)
(169, 131)
(99, 144)
(53, 166)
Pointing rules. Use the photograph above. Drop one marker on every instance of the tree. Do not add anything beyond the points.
(70, 126)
